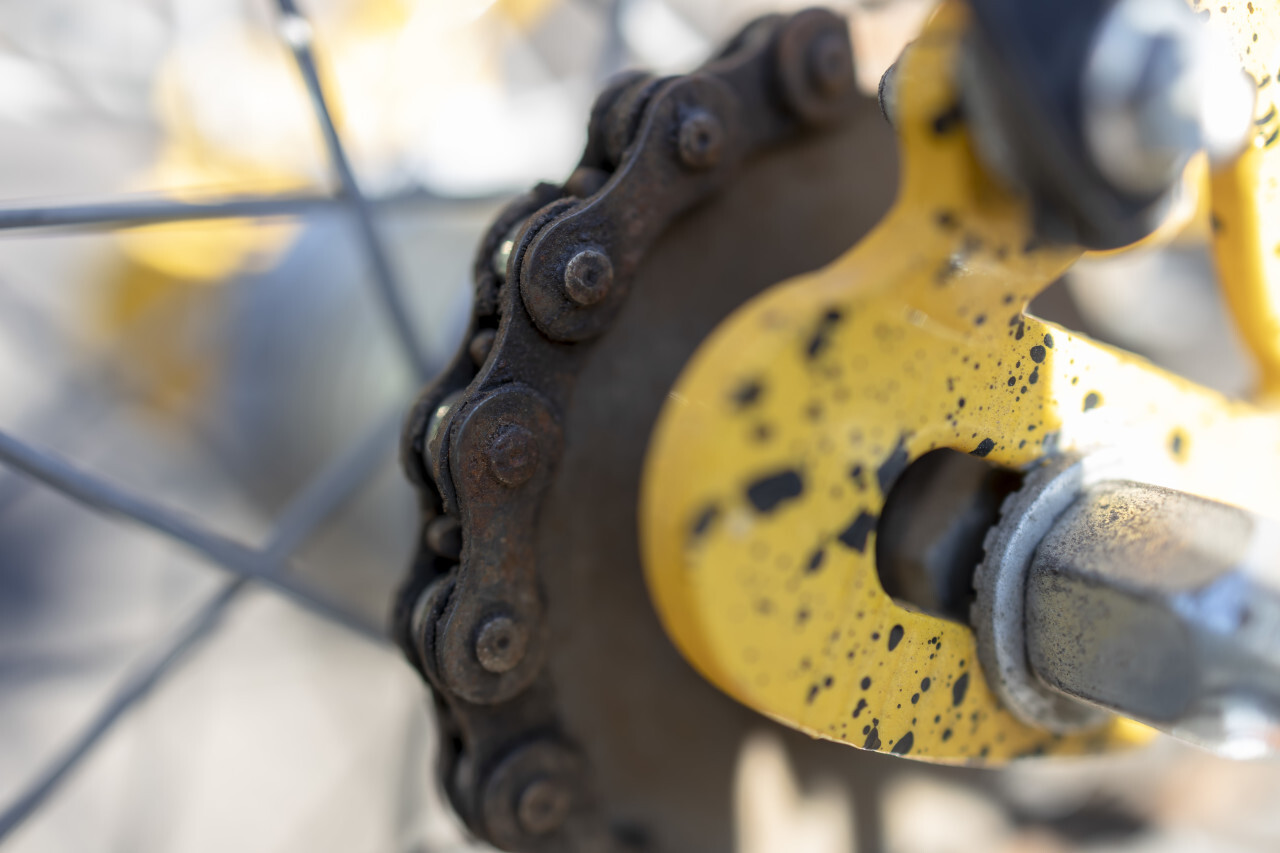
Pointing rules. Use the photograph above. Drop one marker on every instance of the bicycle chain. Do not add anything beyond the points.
(482, 442)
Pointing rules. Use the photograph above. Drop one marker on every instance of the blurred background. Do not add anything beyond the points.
(217, 367)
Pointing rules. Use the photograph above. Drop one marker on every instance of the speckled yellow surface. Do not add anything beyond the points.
(1246, 194)
(772, 459)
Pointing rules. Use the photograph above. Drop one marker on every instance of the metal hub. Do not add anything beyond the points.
(999, 612)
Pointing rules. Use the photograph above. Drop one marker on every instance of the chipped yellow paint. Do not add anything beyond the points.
(771, 460)
(1246, 194)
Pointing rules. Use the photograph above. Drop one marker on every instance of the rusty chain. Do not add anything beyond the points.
(482, 442)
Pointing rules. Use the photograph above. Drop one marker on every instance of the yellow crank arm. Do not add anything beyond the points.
(772, 459)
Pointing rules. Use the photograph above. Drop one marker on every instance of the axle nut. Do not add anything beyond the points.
(501, 643)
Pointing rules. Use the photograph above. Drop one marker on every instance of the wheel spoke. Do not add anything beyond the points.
(329, 489)
(135, 687)
(132, 212)
(149, 211)
(295, 30)
(101, 494)
(323, 496)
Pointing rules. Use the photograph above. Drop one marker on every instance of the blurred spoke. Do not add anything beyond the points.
(107, 497)
(148, 211)
(327, 490)
(296, 32)
(130, 212)
(323, 496)
(136, 686)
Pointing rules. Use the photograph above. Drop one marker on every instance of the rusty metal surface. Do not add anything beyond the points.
(570, 722)
(663, 742)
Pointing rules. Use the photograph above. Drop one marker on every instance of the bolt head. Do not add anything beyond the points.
(588, 276)
(543, 806)
(513, 455)
(1157, 86)
(831, 64)
(501, 644)
(701, 140)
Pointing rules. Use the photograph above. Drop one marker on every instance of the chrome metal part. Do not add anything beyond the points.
(1091, 110)
(1156, 88)
(1099, 594)
(999, 615)
(1163, 607)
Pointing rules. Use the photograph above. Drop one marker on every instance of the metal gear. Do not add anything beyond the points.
(585, 729)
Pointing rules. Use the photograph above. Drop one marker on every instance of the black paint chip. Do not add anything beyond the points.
(822, 334)
(959, 689)
(948, 120)
(1037, 353)
(984, 447)
(904, 744)
(855, 535)
(767, 493)
(892, 468)
(855, 474)
(747, 393)
(815, 562)
(873, 739)
(703, 522)
(895, 636)
(1092, 401)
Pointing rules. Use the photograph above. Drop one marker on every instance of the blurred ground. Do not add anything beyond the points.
(217, 366)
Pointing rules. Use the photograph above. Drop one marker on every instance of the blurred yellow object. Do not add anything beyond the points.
(210, 251)
(524, 13)
(156, 330)
(1246, 193)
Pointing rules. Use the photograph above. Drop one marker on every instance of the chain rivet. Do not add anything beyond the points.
(501, 643)
(513, 455)
(543, 806)
(588, 276)
(831, 64)
(701, 140)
